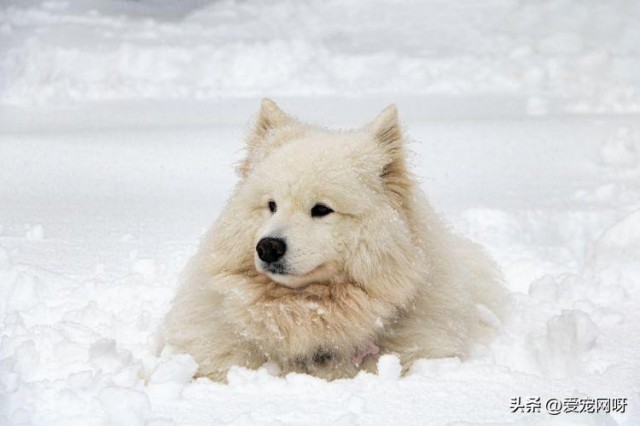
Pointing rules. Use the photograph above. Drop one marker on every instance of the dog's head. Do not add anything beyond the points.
(322, 205)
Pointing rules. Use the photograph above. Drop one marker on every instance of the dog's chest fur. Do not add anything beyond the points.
(313, 330)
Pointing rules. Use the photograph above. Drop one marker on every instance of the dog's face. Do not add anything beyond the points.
(313, 193)
(310, 200)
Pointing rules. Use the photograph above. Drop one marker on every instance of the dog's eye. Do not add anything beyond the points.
(320, 210)
(272, 206)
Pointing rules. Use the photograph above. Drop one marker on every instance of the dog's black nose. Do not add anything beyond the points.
(271, 249)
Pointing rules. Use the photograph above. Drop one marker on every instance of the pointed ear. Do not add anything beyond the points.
(386, 130)
(387, 134)
(270, 118)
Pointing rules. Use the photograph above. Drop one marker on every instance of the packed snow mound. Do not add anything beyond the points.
(559, 55)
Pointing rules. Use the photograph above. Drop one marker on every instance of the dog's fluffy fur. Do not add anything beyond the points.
(381, 271)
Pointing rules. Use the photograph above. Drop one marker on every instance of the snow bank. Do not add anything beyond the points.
(577, 56)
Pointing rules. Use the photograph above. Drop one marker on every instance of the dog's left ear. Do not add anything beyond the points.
(387, 134)
(386, 129)
(270, 118)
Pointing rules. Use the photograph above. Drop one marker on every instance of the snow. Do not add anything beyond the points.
(561, 55)
(120, 123)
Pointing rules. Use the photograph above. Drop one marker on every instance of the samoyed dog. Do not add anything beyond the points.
(327, 256)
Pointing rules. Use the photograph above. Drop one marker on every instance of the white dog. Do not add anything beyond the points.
(328, 255)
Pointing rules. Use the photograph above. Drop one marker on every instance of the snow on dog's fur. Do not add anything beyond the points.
(328, 255)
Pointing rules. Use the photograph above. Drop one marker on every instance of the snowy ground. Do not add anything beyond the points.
(117, 152)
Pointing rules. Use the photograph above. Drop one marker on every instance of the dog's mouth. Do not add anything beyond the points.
(281, 275)
(277, 269)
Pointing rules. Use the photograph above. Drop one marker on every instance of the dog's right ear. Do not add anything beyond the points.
(270, 118)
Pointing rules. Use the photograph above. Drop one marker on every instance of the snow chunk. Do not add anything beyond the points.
(21, 292)
(615, 255)
(171, 376)
(544, 289)
(35, 233)
(145, 267)
(569, 337)
(272, 368)
(624, 234)
(389, 367)
(179, 368)
(105, 357)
